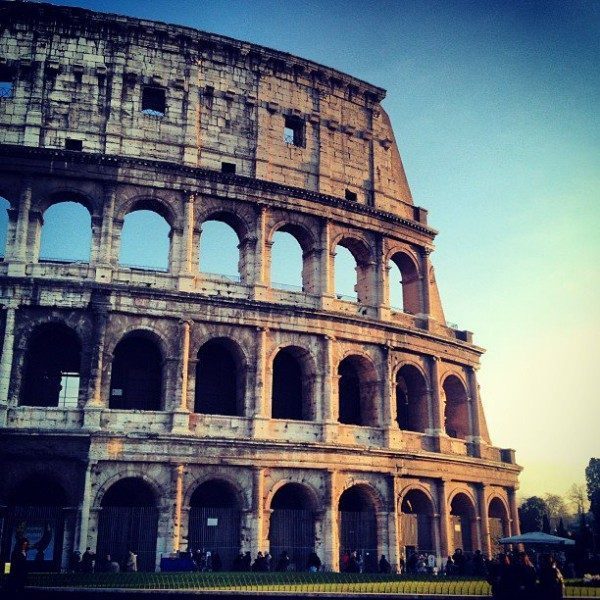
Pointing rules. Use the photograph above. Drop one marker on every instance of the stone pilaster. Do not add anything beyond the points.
(6, 361)
(18, 254)
(177, 477)
(186, 266)
(515, 528)
(436, 408)
(181, 409)
(483, 519)
(444, 519)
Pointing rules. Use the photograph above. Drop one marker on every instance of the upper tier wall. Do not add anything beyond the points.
(87, 77)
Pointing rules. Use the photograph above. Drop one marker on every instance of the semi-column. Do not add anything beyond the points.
(260, 275)
(177, 475)
(474, 413)
(329, 396)
(330, 528)
(260, 413)
(186, 271)
(6, 360)
(425, 291)
(180, 415)
(436, 405)
(515, 528)
(483, 519)
(82, 542)
(445, 534)
(19, 251)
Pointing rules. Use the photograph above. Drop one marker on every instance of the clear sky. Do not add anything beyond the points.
(495, 107)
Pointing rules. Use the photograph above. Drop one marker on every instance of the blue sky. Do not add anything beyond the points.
(495, 110)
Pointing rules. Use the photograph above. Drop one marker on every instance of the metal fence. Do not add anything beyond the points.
(358, 531)
(292, 531)
(125, 528)
(217, 530)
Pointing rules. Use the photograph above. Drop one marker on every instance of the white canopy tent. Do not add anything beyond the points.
(537, 538)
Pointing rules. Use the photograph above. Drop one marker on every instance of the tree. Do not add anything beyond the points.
(557, 509)
(560, 529)
(545, 523)
(592, 478)
(577, 497)
(531, 514)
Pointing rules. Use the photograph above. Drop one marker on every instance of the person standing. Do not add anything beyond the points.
(131, 565)
(15, 582)
(552, 586)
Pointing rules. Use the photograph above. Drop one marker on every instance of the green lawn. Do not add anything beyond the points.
(289, 582)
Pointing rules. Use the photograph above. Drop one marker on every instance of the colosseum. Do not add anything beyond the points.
(165, 410)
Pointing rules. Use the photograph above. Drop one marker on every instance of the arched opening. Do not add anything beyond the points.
(128, 521)
(136, 379)
(292, 525)
(462, 515)
(140, 226)
(35, 510)
(345, 271)
(405, 293)
(66, 233)
(417, 523)
(219, 381)
(215, 521)
(358, 526)
(411, 399)
(286, 261)
(291, 385)
(219, 248)
(497, 524)
(4, 206)
(356, 391)
(52, 367)
(456, 411)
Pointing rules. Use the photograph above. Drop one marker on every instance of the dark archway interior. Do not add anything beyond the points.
(214, 522)
(358, 524)
(411, 292)
(216, 380)
(461, 515)
(287, 400)
(128, 521)
(52, 362)
(214, 494)
(356, 499)
(136, 381)
(411, 401)
(38, 490)
(456, 411)
(417, 530)
(349, 394)
(129, 492)
(291, 496)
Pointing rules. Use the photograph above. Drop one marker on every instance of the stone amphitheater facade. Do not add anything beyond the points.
(227, 415)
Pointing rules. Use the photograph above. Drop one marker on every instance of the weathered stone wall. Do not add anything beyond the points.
(81, 75)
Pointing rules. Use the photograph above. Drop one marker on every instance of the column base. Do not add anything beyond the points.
(392, 437)
(91, 417)
(260, 427)
(186, 283)
(329, 432)
(260, 292)
(16, 269)
(180, 422)
(104, 273)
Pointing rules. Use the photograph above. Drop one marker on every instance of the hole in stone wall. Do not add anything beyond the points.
(72, 144)
(219, 253)
(286, 262)
(293, 131)
(228, 168)
(351, 196)
(7, 81)
(153, 101)
(140, 226)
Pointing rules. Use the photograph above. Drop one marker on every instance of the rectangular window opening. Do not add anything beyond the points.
(293, 131)
(71, 144)
(154, 101)
(352, 196)
(69, 390)
(228, 168)
(7, 81)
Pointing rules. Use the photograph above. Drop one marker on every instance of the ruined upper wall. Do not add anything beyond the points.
(87, 77)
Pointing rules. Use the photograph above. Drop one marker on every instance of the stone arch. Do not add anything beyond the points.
(215, 520)
(137, 378)
(417, 509)
(498, 521)
(411, 398)
(293, 372)
(359, 248)
(154, 203)
(35, 509)
(106, 479)
(357, 390)
(463, 518)
(410, 281)
(66, 233)
(128, 521)
(220, 377)
(241, 219)
(358, 506)
(217, 475)
(292, 522)
(52, 366)
(456, 410)
(309, 492)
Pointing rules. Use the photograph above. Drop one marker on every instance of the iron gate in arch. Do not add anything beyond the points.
(217, 530)
(43, 526)
(358, 531)
(124, 528)
(417, 532)
(292, 531)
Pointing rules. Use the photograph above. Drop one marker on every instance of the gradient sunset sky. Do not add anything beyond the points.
(496, 111)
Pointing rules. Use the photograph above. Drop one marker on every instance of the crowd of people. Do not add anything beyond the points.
(264, 563)
(89, 563)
